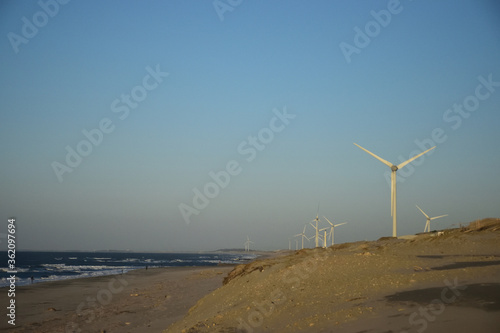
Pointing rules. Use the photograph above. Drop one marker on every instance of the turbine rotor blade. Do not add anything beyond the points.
(340, 224)
(433, 218)
(423, 212)
(328, 220)
(389, 164)
(414, 158)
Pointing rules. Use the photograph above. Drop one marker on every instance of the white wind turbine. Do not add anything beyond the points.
(324, 238)
(316, 227)
(332, 228)
(247, 244)
(428, 223)
(303, 234)
(394, 168)
(320, 237)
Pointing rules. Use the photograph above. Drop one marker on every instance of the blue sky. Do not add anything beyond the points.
(225, 78)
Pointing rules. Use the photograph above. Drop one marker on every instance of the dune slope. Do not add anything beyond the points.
(390, 284)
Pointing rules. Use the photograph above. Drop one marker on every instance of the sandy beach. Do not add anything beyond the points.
(427, 282)
(138, 301)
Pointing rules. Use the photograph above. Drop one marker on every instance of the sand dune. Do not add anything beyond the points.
(429, 283)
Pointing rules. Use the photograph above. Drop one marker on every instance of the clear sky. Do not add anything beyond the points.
(113, 114)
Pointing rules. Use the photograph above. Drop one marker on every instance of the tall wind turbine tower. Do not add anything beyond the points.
(429, 219)
(394, 168)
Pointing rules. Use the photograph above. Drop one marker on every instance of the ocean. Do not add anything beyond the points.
(53, 266)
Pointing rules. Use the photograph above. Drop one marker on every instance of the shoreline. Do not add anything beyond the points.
(48, 266)
(138, 300)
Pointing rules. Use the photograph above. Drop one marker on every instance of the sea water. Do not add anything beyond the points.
(53, 266)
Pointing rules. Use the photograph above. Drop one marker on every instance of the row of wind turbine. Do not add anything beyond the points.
(315, 224)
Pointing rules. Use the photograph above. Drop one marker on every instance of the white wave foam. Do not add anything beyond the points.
(17, 269)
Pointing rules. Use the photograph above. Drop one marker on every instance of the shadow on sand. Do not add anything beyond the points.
(483, 296)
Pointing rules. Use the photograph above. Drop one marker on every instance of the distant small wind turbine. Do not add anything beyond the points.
(247, 244)
(332, 228)
(394, 168)
(316, 227)
(303, 235)
(324, 238)
(429, 219)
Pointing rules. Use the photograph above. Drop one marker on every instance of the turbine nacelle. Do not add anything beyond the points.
(394, 168)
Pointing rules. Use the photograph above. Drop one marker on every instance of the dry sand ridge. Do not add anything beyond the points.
(425, 283)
